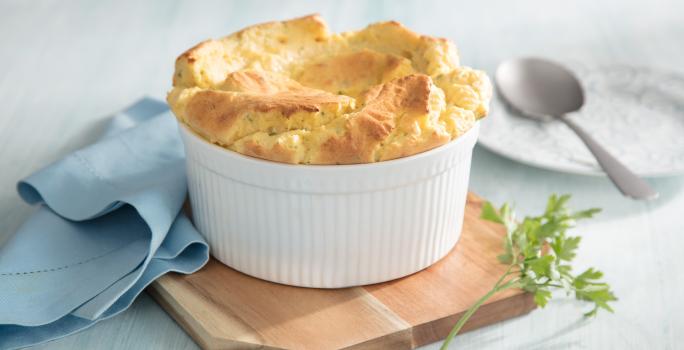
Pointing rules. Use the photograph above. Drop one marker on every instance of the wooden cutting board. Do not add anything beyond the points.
(225, 309)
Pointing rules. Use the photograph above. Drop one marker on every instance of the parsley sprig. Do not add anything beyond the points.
(538, 253)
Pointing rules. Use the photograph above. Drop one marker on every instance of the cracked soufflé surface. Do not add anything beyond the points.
(294, 92)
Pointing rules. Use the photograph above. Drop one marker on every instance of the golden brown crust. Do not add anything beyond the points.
(293, 92)
(352, 73)
(373, 125)
(261, 83)
(215, 114)
(277, 152)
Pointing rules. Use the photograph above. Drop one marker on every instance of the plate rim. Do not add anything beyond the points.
(569, 170)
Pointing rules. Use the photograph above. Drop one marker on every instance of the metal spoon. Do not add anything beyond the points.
(543, 90)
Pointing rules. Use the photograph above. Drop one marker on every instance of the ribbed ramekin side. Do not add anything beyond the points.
(330, 240)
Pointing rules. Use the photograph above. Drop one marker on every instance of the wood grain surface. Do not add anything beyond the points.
(68, 64)
(222, 308)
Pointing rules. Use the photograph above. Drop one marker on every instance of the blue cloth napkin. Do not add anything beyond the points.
(108, 223)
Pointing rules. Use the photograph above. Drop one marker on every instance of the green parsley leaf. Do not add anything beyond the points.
(541, 297)
(564, 248)
(490, 214)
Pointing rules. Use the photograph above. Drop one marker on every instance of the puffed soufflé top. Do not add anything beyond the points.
(294, 92)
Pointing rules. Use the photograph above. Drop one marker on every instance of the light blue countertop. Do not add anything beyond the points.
(65, 65)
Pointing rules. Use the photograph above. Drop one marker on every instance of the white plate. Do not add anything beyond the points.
(636, 113)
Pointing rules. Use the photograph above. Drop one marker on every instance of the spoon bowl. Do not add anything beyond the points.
(538, 88)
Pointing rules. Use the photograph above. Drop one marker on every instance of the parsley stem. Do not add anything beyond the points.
(465, 318)
(461, 322)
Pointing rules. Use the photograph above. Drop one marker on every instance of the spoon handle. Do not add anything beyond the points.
(624, 179)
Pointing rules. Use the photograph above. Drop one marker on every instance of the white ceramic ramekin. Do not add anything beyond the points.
(329, 226)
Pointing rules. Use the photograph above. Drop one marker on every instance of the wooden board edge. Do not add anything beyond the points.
(401, 339)
(159, 292)
(488, 314)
